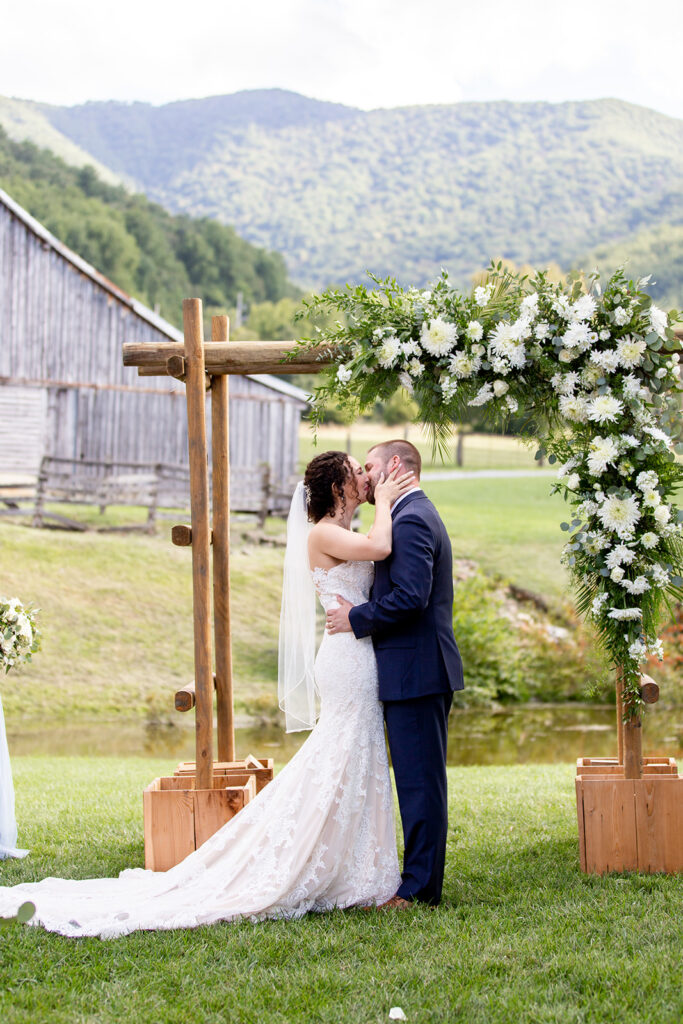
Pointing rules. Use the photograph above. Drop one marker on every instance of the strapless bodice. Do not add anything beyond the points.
(350, 579)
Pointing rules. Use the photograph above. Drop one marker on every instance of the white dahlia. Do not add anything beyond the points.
(602, 452)
(604, 409)
(619, 515)
(438, 337)
(631, 350)
(573, 408)
(389, 352)
(474, 330)
(649, 540)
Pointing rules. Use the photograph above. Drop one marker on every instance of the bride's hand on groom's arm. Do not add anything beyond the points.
(337, 619)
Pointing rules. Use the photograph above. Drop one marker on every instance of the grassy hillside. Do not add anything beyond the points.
(116, 610)
(404, 191)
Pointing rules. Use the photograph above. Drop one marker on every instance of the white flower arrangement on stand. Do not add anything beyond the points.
(19, 640)
(596, 370)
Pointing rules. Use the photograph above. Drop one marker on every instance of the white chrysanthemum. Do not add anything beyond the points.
(619, 555)
(602, 452)
(651, 497)
(499, 365)
(607, 360)
(389, 352)
(619, 515)
(576, 335)
(595, 542)
(406, 383)
(438, 337)
(658, 435)
(617, 574)
(484, 395)
(565, 383)
(659, 321)
(649, 540)
(506, 341)
(662, 514)
(463, 365)
(632, 386)
(590, 376)
(561, 306)
(414, 367)
(584, 308)
(474, 331)
(625, 614)
(567, 467)
(574, 408)
(410, 348)
(500, 388)
(343, 374)
(637, 586)
(629, 441)
(529, 304)
(542, 330)
(631, 351)
(604, 409)
(622, 316)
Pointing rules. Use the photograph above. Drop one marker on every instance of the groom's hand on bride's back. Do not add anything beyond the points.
(337, 620)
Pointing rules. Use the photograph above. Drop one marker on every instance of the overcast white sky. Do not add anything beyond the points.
(366, 53)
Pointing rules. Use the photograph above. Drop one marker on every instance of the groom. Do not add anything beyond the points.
(410, 619)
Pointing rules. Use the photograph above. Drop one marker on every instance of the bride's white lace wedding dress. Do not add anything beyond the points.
(320, 835)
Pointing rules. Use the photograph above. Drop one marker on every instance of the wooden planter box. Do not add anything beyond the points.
(178, 817)
(629, 824)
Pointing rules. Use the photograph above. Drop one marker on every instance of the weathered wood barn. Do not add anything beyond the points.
(64, 392)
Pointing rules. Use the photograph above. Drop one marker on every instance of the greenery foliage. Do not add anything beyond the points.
(337, 190)
(158, 258)
(597, 374)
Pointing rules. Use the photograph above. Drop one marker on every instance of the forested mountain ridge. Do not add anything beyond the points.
(157, 257)
(407, 190)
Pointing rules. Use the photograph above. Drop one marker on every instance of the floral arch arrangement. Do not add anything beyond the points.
(596, 372)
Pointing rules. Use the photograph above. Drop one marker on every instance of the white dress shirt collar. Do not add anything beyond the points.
(413, 490)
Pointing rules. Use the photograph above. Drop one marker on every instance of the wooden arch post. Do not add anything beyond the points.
(182, 811)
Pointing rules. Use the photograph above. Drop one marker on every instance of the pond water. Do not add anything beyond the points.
(541, 734)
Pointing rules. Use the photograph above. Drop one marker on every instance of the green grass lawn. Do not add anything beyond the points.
(522, 935)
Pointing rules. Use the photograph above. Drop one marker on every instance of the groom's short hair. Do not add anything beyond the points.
(407, 453)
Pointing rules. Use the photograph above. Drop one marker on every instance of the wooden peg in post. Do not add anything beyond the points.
(220, 441)
(201, 569)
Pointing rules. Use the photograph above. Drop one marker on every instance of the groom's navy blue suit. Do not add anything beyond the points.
(410, 618)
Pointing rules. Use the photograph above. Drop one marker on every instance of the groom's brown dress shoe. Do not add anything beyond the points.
(396, 903)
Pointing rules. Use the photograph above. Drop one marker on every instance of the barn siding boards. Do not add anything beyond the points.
(62, 325)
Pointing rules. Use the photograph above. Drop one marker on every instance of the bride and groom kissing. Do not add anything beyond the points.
(321, 835)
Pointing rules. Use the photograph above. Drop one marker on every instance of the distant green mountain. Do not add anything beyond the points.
(158, 258)
(338, 190)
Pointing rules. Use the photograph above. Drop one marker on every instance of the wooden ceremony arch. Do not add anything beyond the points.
(630, 808)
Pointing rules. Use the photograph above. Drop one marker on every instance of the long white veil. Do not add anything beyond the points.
(297, 691)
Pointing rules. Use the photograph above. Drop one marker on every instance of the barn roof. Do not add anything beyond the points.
(138, 308)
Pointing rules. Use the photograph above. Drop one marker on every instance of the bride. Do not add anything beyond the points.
(321, 834)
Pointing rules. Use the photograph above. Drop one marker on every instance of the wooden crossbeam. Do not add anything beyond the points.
(234, 357)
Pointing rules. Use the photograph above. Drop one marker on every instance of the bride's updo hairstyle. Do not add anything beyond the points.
(324, 482)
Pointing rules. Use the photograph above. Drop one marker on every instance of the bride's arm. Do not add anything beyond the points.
(336, 542)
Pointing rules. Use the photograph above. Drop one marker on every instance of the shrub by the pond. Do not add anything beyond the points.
(513, 650)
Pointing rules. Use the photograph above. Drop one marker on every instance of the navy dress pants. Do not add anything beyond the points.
(418, 736)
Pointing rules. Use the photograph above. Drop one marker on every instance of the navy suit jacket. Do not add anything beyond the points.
(410, 611)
